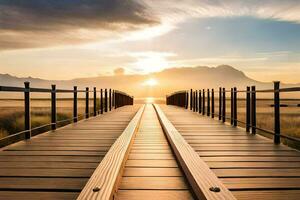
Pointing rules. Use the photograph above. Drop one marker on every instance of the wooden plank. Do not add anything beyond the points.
(261, 183)
(62, 184)
(268, 195)
(249, 153)
(33, 195)
(200, 177)
(149, 156)
(52, 153)
(58, 173)
(81, 159)
(153, 183)
(255, 165)
(48, 165)
(257, 172)
(237, 148)
(252, 159)
(107, 173)
(154, 194)
(55, 148)
(151, 163)
(151, 172)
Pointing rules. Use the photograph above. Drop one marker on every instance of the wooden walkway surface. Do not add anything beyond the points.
(57, 165)
(250, 166)
(151, 171)
(151, 152)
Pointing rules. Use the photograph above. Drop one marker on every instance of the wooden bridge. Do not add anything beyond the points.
(149, 152)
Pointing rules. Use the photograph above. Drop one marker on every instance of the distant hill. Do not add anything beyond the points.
(169, 80)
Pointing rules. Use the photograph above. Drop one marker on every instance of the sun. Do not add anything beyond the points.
(150, 82)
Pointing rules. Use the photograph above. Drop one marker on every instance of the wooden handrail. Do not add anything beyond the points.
(104, 181)
(122, 98)
(250, 108)
(203, 181)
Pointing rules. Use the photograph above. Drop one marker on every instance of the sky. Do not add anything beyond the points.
(68, 39)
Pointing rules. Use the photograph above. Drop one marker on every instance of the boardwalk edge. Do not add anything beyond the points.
(104, 181)
(205, 184)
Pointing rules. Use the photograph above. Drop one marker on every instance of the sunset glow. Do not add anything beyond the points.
(149, 100)
(145, 37)
(150, 82)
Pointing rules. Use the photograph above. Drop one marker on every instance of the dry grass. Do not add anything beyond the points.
(12, 114)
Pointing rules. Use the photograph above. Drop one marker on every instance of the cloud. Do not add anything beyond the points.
(43, 23)
(178, 11)
(119, 71)
(38, 23)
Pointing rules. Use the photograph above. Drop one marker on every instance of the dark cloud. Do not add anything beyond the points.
(48, 19)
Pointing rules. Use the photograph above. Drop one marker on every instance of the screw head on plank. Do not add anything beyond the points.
(96, 189)
(215, 189)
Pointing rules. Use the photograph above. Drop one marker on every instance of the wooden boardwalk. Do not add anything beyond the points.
(151, 171)
(57, 165)
(149, 152)
(250, 166)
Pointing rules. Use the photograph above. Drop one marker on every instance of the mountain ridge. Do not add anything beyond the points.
(169, 80)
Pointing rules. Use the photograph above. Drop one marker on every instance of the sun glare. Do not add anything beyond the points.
(150, 82)
(149, 100)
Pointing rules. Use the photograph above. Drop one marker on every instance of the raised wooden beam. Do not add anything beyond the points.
(104, 181)
(203, 181)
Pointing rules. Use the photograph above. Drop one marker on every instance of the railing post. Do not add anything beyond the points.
(200, 102)
(191, 99)
(234, 106)
(113, 99)
(116, 100)
(224, 105)
(208, 102)
(53, 107)
(110, 100)
(87, 102)
(248, 105)
(105, 101)
(203, 102)
(75, 113)
(220, 103)
(276, 112)
(101, 101)
(167, 100)
(196, 100)
(27, 122)
(231, 106)
(186, 100)
(212, 103)
(253, 110)
(95, 101)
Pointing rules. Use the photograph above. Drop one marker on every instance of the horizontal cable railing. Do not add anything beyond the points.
(108, 98)
(203, 101)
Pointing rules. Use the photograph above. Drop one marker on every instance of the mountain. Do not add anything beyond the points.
(169, 80)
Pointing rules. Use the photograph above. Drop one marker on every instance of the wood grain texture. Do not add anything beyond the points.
(57, 164)
(107, 174)
(153, 194)
(250, 166)
(200, 177)
(156, 174)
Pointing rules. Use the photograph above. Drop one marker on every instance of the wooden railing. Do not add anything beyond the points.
(179, 98)
(197, 101)
(108, 98)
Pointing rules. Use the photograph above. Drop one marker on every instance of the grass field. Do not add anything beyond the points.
(289, 117)
(12, 113)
